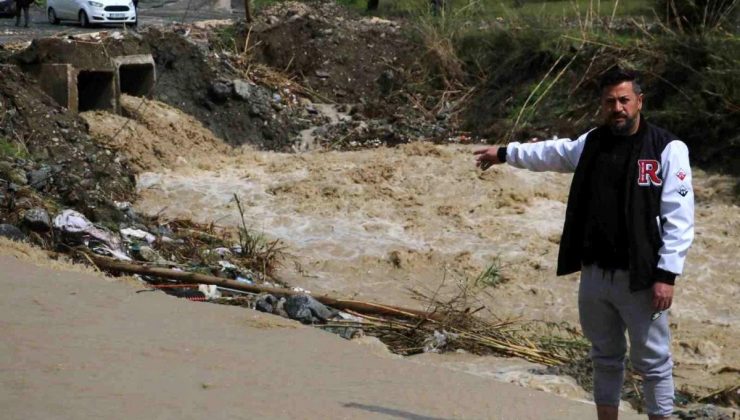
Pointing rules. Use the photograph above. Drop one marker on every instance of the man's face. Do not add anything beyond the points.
(620, 108)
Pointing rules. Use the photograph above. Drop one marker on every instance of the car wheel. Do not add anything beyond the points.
(53, 19)
(84, 21)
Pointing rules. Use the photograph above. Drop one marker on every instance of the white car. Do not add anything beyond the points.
(91, 12)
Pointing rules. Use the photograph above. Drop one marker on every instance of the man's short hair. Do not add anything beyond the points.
(617, 75)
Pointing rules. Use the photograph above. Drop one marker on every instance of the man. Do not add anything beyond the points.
(628, 226)
(22, 5)
(136, 9)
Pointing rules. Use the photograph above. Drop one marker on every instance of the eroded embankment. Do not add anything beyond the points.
(156, 136)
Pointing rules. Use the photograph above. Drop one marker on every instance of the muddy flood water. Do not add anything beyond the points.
(377, 224)
(373, 224)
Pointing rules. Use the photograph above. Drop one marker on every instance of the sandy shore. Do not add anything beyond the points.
(78, 345)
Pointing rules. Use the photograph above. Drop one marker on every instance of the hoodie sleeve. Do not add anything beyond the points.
(676, 207)
(560, 155)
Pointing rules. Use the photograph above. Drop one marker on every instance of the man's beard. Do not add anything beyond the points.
(625, 128)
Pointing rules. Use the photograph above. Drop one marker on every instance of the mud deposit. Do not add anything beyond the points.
(376, 223)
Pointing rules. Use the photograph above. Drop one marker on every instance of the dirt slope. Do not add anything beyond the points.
(332, 49)
(82, 346)
(185, 137)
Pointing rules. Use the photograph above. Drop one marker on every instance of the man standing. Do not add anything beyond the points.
(628, 226)
(22, 5)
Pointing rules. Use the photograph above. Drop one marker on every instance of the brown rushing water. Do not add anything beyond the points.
(375, 223)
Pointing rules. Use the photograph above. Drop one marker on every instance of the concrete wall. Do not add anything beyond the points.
(58, 81)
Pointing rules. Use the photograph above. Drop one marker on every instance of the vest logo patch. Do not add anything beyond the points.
(681, 174)
(649, 169)
(682, 190)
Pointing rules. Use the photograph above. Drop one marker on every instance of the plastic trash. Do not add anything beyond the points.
(244, 280)
(113, 252)
(221, 251)
(210, 291)
(76, 227)
(72, 222)
(438, 341)
(227, 266)
(129, 233)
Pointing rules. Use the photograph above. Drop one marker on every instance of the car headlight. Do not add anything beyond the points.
(130, 5)
(95, 4)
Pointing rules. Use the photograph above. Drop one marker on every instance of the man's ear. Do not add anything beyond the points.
(640, 97)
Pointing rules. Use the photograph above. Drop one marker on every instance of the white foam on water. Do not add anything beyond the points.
(210, 196)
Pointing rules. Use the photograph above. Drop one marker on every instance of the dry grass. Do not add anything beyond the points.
(455, 319)
(195, 243)
(440, 56)
(39, 257)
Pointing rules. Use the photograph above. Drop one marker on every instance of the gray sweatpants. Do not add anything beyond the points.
(607, 308)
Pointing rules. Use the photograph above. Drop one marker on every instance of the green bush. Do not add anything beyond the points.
(697, 96)
(536, 84)
(535, 68)
(697, 15)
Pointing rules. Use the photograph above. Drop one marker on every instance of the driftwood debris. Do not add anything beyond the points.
(110, 264)
(406, 331)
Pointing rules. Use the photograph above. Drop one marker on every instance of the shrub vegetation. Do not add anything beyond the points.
(536, 74)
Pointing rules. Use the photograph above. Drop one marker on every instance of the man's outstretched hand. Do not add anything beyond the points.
(486, 157)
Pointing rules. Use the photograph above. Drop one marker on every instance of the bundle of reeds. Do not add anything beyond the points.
(463, 330)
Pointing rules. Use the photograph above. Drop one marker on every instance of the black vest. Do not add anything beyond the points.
(642, 205)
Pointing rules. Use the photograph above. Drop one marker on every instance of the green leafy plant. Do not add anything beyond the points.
(491, 276)
(255, 247)
(11, 149)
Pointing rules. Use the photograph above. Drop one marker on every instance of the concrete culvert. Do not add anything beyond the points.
(136, 79)
(95, 90)
(136, 74)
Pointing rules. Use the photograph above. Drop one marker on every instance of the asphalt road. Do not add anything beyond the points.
(151, 13)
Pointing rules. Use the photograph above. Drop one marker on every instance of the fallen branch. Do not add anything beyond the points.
(370, 308)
